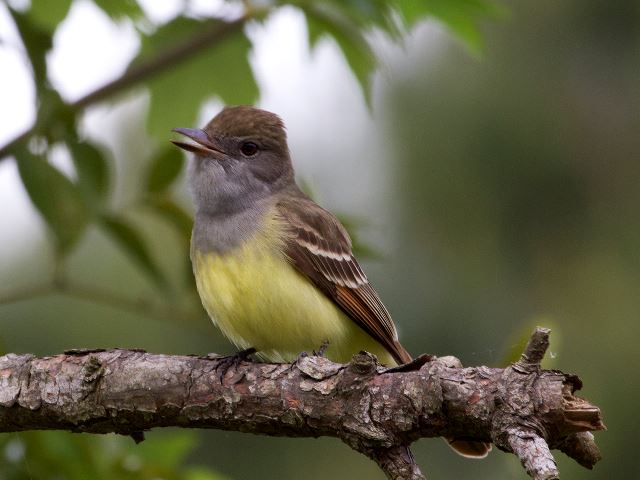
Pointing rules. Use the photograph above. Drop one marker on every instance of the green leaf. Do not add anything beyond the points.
(411, 11)
(63, 455)
(48, 14)
(57, 199)
(461, 16)
(363, 13)
(93, 172)
(164, 169)
(56, 120)
(222, 70)
(201, 473)
(37, 42)
(118, 9)
(131, 241)
(349, 38)
(168, 450)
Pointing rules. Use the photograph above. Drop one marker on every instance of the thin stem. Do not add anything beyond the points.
(28, 293)
(168, 58)
(142, 307)
(137, 306)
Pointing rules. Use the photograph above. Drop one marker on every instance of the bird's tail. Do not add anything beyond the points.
(468, 448)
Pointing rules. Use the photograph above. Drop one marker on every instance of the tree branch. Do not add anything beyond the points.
(378, 412)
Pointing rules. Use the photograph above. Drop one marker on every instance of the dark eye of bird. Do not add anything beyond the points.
(249, 149)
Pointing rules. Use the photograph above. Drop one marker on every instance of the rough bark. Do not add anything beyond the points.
(521, 409)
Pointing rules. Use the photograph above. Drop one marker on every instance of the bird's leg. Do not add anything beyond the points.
(319, 353)
(294, 363)
(234, 360)
(323, 348)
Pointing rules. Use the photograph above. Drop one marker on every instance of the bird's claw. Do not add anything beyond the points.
(225, 363)
(322, 350)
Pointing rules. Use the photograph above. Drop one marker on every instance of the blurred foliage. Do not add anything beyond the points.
(195, 75)
(516, 203)
(60, 455)
(200, 58)
(182, 52)
(56, 197)
(517, 179)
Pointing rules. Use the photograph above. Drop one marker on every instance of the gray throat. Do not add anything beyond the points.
(222, 232)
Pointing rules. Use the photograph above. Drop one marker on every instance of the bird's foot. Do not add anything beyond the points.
(234, 360)
(316, 353)
(295, 362)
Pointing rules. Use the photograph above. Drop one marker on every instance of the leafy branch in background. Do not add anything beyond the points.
(183, 52)
(206, 57)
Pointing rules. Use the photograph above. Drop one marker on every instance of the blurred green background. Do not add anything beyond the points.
(493, 185)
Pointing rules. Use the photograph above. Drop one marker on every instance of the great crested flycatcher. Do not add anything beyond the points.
(274, 270)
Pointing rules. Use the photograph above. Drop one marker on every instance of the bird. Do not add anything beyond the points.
(275, 271)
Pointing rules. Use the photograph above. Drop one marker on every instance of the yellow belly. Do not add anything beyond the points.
(259, 300)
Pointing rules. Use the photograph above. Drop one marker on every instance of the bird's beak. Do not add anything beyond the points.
(203, 145)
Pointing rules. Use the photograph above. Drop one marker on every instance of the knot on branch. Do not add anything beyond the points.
(92, 371)
(536, 411)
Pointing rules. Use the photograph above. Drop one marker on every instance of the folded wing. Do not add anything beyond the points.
(320, 249)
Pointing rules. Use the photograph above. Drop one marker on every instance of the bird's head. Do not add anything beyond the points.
(241, 156)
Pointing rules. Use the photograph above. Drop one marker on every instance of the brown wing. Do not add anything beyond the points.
(320, 248)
